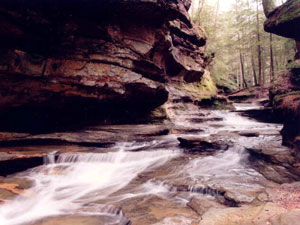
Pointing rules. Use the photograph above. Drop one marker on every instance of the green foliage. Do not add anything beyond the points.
(235, 33)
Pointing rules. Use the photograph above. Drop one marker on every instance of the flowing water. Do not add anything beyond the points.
(93, 183)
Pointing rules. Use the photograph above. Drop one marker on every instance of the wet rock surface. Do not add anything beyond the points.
(276, 162)
(78, 220)
(202, 145)
(12, 187)
(145, 177)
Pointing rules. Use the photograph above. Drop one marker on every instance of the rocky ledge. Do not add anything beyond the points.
(106, 58)
(285, 91)
(284, 20)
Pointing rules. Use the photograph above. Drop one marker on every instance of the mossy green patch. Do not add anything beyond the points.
(290, 12)
(293, 65)
(204, 89)
(278, 98)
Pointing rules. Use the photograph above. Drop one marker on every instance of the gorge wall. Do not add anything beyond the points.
(285, 92)
(106, 58)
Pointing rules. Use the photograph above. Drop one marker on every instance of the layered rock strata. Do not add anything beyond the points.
(106, 58)
(285, 93)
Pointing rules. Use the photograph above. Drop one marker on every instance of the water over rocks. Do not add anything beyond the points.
(145, 177)
(111, 62)
(194, 145)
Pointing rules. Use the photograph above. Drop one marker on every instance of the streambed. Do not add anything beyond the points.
(150, 180)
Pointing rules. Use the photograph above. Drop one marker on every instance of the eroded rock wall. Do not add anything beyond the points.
(107, 57)
(285, 92)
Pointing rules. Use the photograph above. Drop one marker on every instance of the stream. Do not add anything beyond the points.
(136, 181)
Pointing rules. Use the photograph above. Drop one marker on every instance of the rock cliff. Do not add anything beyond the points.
(106, 58)
(284, 20)
(285, 92)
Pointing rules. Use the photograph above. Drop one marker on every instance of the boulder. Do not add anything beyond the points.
(276, 163)
(199, 145)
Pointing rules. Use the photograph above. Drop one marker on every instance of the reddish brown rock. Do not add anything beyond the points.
(104, 57)
(285, 93)
(284, 20)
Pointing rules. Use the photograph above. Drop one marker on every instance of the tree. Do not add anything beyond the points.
(260, 78)
(271, 59)
(241, 47)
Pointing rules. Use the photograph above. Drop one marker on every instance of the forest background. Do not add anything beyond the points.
(242, 54)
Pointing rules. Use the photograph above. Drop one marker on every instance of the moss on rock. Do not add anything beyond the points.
(285, 20)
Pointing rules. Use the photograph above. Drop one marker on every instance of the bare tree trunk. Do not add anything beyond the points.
(216, 16)
(277, 66)
(244, 83)
(271, 59)
(241, 78)
(263, 67)
(253, 69)
(258, 46)
(196, 10)
(238, 79)
(200, 10)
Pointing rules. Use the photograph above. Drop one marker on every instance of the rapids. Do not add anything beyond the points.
(94, 183)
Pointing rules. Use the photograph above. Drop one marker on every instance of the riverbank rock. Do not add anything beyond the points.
(112, 60)
(276, 163)
(286, 105)
(246, 215)
(153, 209)
(200, 205)
(285, 92)
(249, 94)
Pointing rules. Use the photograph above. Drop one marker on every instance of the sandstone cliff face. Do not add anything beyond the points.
(106, 57)
(285, 93)
(284, 20)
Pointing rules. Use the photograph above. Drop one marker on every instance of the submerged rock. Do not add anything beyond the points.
(79, 220)
(201, 205)
(199, 145)
(12, 187)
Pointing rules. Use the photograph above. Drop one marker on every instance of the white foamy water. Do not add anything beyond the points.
(90, 183)
(74, 180)
(228, 168)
